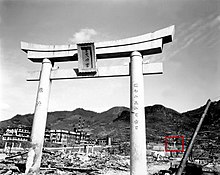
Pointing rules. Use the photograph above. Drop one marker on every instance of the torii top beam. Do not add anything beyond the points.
(147, 44)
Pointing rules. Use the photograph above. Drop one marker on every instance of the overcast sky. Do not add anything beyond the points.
(191, 62)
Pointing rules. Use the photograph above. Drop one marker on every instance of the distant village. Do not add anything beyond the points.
(78, 142)
(18, 138)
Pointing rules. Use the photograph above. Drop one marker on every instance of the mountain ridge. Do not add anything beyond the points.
(115, 122)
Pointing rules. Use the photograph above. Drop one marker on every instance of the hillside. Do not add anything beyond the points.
(208, 137)
(160, 122)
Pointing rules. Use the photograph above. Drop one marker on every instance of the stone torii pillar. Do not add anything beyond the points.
(86, 55)
(137, 118)
(40, 118)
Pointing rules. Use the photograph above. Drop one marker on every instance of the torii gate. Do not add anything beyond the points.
(86, 55)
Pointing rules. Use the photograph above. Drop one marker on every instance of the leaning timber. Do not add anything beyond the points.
(189, 148)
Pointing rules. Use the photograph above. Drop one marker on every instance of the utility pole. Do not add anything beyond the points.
(189, 148)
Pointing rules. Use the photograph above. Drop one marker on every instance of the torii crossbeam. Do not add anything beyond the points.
(86, 55)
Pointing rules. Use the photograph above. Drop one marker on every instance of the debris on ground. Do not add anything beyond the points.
(61, 162)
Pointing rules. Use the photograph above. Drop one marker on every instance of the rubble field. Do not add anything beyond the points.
(80, 163)
(76, 163)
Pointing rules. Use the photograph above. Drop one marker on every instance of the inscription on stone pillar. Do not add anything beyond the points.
(135, 104)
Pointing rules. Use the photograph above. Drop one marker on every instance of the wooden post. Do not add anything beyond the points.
(189, 147)
(138, 133)
(40, 119)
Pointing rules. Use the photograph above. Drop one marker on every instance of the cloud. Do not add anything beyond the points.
(1, 58)
(4, 108)
(216, 22)
(84, 35)
(202, 31)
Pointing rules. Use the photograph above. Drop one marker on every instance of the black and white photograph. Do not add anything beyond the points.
(110, 87)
